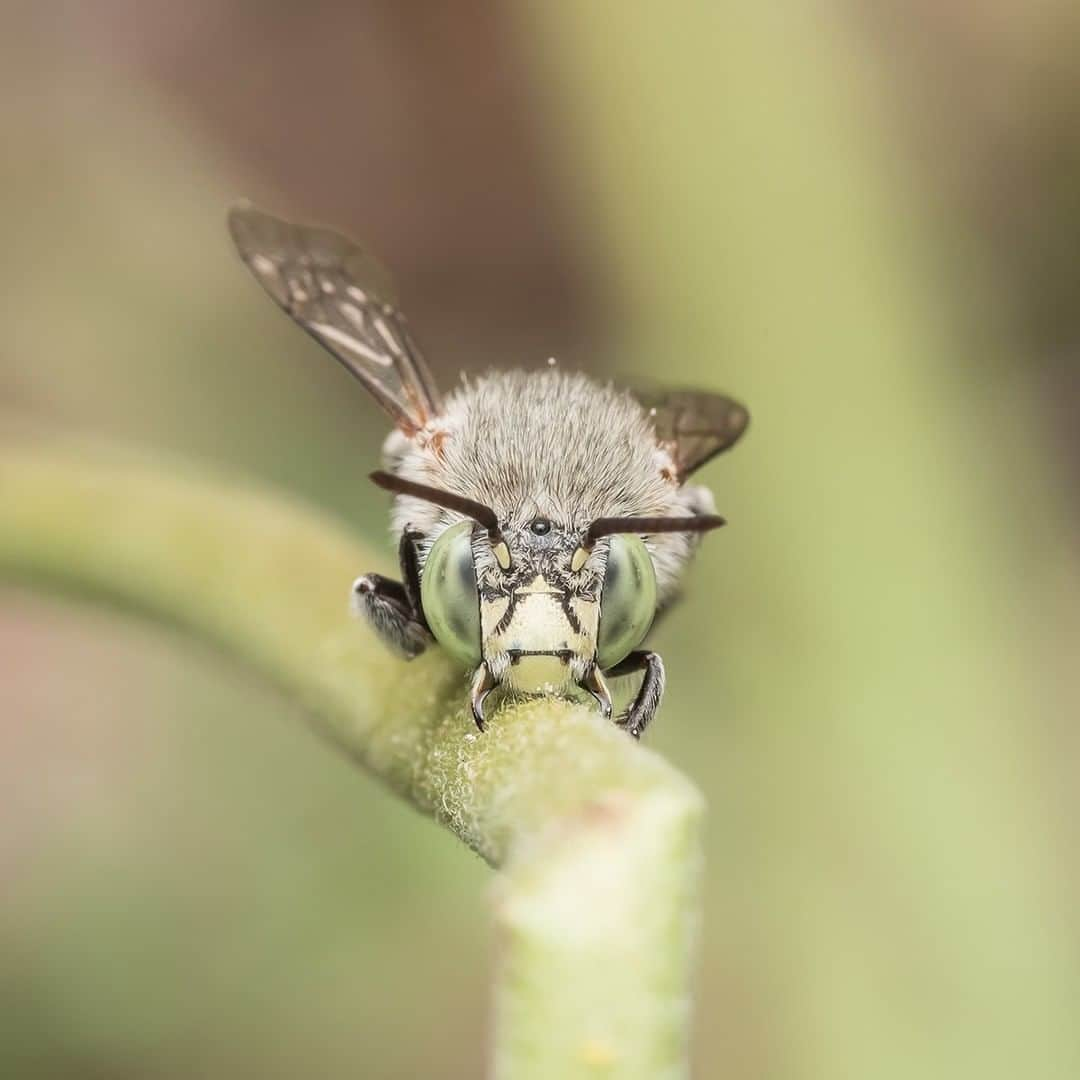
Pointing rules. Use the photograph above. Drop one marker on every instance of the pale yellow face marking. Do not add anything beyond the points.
(539, 625)
(491, 611)
(537, 586)
(502, 554)
(538, 674)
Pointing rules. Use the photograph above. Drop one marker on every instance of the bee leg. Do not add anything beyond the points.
(594, 683)
(648, 697)
(410, 572)
(483, 683)
(385, 606)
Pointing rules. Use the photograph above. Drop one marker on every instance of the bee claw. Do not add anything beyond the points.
(482, 685)
(595, 684)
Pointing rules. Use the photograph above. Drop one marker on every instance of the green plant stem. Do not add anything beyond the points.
(597, 839)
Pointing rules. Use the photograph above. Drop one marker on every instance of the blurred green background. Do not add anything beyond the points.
(864, 220)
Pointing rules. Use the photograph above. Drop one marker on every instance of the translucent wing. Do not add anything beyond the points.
(341, 297)
(694, 426)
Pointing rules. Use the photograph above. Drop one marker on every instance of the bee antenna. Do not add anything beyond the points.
(449, 500)
(648, 526)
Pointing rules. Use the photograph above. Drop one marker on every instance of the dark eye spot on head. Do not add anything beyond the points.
(613, 573)
(540, 526)
(466, 571)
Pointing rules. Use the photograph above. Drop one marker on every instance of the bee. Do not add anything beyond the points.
(543, 518)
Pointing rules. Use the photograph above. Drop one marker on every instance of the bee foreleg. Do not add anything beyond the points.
(593, 681)
(649, 694)
(483, 682)
(410, 572)
(386, 607)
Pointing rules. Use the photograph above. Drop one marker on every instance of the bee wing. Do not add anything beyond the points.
(694, 426)
(342, 297)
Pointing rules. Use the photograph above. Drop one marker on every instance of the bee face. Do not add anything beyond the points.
(540, 616)
(554, 613)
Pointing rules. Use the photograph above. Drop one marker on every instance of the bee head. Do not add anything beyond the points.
(537, 605)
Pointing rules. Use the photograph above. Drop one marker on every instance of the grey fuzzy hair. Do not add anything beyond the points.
(547, 444)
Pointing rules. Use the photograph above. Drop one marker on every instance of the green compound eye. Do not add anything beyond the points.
(448, 594)
(628, 602)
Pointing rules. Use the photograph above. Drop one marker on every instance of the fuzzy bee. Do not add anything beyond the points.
(544, 518)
